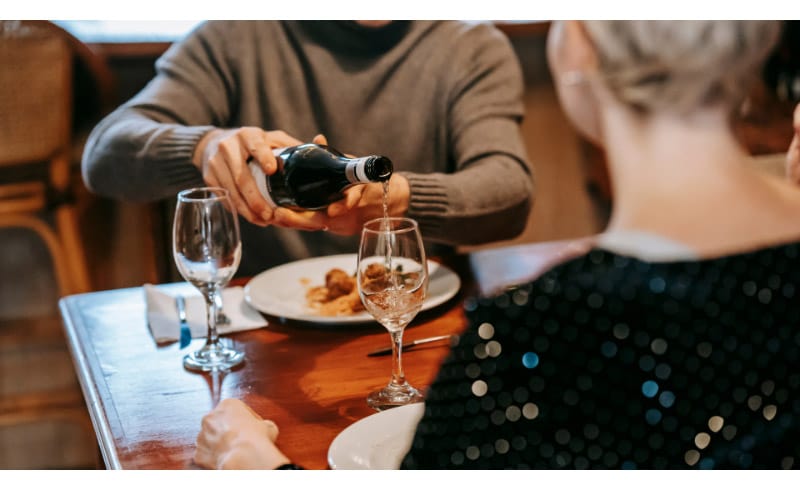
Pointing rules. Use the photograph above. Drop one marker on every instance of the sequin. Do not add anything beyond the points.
(621, 331)
(715, 423)
(691, 457)
(530, 360)
(562, 436)
(704, 349)
(663, 371)
(659, 346)
(513, 413)
(493, 349)
(498, 417)
(701, 440)
(501, 446)
(486, 331)
(706, 464)
(657, 285)
(647, 363)
(530, 411)
(609, 349)
(729, 432)
(479, 388)
(620, 363)
(473, 370)
(653, 416)
(649, 389)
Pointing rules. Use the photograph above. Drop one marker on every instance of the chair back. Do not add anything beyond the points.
(35, 94)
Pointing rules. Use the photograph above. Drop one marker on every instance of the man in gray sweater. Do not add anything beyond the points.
(443, 100)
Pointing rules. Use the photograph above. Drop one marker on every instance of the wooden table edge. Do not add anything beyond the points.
(90, 390)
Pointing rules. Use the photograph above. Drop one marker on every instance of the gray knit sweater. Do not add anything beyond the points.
(443, 100)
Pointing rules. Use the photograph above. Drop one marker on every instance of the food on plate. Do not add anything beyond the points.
(338, 297)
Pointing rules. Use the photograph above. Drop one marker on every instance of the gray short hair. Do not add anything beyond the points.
(681, 65)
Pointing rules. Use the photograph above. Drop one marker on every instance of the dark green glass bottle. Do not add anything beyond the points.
(312, 176)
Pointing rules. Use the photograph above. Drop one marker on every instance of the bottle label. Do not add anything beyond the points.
(356, 171)
(261, 182)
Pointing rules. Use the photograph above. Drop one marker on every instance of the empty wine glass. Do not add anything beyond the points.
(207, 250)
(392, 282)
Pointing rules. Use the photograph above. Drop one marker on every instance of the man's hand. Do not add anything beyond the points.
(221, 156)
(793, 155)
(233, 436)
(362, 203)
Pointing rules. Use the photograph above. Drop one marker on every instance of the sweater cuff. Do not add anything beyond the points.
(427, 202)
(174, 155)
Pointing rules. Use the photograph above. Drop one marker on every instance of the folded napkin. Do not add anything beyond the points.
(162, 314)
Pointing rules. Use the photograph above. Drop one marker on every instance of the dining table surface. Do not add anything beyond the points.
(311, 379)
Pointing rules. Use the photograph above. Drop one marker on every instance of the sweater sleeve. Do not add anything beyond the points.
(489, 195)
(143, 150)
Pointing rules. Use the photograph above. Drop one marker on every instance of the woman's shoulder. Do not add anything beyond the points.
(601, 279)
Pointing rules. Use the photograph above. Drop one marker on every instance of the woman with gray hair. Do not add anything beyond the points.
(673, 341)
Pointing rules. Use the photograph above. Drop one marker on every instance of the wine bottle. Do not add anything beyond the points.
(311, 176)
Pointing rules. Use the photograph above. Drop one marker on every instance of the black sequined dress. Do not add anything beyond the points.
(611, 362)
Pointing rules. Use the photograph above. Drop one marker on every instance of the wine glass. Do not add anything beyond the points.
(207, 250)
(392, 280)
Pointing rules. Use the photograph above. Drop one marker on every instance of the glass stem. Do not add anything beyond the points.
(213, 307)
(398, 377)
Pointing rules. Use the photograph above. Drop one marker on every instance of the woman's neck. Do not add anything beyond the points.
(687, 178)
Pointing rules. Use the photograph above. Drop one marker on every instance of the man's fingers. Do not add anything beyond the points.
(352, 196)
(320, 139)
(220, 171)
(305, 220)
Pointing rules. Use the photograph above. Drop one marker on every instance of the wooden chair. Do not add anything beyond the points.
(40, 400)
(36, 108)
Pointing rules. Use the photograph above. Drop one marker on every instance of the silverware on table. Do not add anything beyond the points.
(186, 332)
(388, 349)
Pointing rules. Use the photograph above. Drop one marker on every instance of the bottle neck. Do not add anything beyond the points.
(356, 170)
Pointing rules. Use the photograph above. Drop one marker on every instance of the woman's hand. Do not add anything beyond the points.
(233, 436)
(221, 156)
(793, 155)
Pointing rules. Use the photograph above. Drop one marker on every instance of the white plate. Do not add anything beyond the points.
(378, 442)
(280, 291)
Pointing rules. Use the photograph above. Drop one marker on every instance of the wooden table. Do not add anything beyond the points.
(311, 380)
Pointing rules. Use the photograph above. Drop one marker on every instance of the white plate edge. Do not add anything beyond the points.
(355, 319)
(412, 411)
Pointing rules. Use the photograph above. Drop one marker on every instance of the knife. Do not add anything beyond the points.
(388, 349)
(186, 333)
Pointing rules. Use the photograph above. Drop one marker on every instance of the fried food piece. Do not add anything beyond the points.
(338, 297)
(338, 283)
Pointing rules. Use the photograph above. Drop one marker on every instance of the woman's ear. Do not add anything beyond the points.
(573, 64)
(569, 48)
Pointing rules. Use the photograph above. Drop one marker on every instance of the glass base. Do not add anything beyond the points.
(210, 358)
(392, 396)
